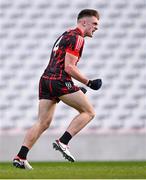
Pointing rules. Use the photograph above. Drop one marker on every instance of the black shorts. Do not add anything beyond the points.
(53, 89)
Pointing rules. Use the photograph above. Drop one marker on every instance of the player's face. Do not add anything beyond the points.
(91, 24)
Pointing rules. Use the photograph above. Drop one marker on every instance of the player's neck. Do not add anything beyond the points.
(81, 29)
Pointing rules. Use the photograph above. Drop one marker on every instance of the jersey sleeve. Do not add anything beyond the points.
(75, 44)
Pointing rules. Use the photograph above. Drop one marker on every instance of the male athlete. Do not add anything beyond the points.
(56, 84)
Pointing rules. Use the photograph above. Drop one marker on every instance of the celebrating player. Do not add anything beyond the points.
(56, 84)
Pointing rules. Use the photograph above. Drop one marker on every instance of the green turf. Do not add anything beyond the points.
(77, 170)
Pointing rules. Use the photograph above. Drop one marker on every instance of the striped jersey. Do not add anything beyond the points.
(71, 41)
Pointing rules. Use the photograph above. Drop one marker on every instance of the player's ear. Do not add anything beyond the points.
(84, 22)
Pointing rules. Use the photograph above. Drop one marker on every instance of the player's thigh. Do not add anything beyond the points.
(77, 100)
(46, 109)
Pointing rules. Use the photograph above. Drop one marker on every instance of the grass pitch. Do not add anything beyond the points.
(77, 170)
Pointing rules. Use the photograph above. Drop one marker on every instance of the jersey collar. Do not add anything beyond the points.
(80, 31)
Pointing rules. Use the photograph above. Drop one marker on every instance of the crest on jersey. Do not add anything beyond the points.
(68, 85)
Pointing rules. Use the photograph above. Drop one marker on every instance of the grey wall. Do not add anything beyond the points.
(84, 147)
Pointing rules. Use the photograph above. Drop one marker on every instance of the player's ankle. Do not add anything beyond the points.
(19, 158)
(65, 138)
(23, 152)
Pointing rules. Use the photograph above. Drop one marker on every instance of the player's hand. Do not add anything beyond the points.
(83, 90)
(95, 84)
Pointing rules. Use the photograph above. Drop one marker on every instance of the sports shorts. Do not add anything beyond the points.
(53, 89)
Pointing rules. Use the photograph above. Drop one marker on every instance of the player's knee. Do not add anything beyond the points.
(91, 114)
(44, 125)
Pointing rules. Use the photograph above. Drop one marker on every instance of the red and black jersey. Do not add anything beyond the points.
(71, 41)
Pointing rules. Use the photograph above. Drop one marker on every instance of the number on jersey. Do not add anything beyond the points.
(56, 46)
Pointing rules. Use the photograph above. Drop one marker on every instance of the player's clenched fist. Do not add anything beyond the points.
(95, 84)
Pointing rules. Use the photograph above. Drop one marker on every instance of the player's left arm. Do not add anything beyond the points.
(71, 59)
(72, 70)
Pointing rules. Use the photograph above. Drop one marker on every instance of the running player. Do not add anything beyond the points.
(56, 84)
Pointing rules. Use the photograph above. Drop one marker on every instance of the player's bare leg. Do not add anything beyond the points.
(79, 102)
(46, 111)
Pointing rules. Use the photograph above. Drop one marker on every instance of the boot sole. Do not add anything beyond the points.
(57, 148)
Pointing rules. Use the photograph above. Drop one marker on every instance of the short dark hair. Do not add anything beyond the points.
(88, 13)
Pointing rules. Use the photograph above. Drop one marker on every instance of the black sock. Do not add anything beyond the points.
(65, 138)
(23, 152)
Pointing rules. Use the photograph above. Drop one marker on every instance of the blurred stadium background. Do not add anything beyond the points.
(117, 54)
